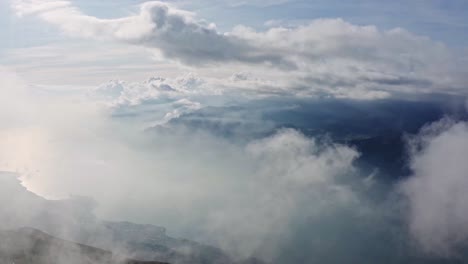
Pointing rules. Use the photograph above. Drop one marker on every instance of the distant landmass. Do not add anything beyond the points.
(37, 230)
(28, 245)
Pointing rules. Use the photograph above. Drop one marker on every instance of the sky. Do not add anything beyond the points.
(200, 115)
(442, 21)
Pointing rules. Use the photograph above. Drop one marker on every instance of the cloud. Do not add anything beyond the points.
(283, 171)
(281, 195)
(176, 33)
(118, 92)
(168, 98)
(320, 57)
(235, 195)
(259, 3)
(437, 189)
(81, 63)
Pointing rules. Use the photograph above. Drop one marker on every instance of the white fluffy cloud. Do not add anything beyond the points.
(119, 92)
(437, 189)
(168, 98)
(268, 189)
(325, 57)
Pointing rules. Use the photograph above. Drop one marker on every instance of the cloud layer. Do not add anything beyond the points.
(328, 57)
(243, 197)
(281, 196)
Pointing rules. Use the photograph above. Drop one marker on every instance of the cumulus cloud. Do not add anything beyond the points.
(176, 33)
(322, 57)
(437, 189)
(284, 170)
(168, 98)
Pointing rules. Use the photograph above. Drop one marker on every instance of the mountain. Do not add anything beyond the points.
(27, 245)
(73, 220)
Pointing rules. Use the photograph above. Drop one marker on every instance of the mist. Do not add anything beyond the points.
(281, 196)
